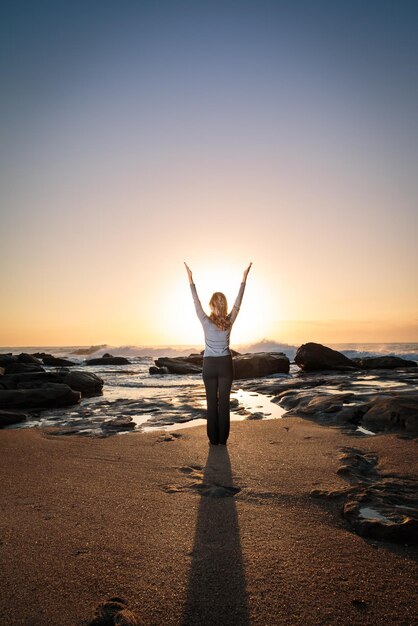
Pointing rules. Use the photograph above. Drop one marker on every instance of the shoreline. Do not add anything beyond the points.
(164, 520)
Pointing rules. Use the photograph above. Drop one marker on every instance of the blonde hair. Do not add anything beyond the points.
(219, 315)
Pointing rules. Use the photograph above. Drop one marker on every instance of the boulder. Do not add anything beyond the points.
(197, 359)
(49, 359)
(384, 362)
(11, 417)
(6, 359)
(48, 396)
(245, 365)
(88, 383)
(178, 365)
(158, 370)
(108, 359)
(260, 364)
(314, 356)
(28, 380)
(393, 412)
(24, 357)
(16, 367)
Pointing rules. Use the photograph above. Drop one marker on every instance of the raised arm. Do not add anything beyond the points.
(200, 312)
(236, 307)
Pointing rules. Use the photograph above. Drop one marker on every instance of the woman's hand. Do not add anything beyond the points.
(244, 279)
(189, 273)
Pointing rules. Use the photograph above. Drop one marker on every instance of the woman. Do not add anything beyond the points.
(218, 370)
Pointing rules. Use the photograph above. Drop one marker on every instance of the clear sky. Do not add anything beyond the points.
(140, 134)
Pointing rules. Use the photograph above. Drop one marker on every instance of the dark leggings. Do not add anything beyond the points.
(218, 372)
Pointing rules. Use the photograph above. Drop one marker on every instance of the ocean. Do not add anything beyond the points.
(167, 401)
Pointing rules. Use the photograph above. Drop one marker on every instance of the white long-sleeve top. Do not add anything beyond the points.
(216, 340)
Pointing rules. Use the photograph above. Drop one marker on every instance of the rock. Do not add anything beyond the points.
(245, 365)
(119, 423)
(384, 362)
(256, 416)
(87, 382)
(197, 359)
(7, 359)
(178, 365)
(317, 404)
(314, 356)
(23, 357)
(49, 359)
(108, 359)
(158, 370)
(11, 417)
(17, 367)
(379, 505)
(28, 380)
(260, 364)
(48, 396)
(393, 412)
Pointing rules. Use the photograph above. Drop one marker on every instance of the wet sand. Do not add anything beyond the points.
(192, 534)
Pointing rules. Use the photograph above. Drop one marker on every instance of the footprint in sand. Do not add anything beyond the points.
(196, 474)
(114, 612)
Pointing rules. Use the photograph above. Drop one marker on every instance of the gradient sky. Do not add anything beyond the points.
(138, 135)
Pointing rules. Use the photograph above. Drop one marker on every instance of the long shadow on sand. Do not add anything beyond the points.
(216, 591)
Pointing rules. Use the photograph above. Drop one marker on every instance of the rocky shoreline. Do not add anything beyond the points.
(375, 393)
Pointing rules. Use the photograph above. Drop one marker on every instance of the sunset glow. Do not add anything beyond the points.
(217, 135)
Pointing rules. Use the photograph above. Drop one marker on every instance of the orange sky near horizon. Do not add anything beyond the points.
(164, 314)
(137, 139)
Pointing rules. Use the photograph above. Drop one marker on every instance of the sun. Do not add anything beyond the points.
(178, 321)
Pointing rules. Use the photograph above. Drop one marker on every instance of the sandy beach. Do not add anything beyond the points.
(190, 534)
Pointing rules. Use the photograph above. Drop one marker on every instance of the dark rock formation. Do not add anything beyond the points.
(245, 365)
(87, 382)
(178, 365)
(11, 417)
(119, 423)
(197, 359)
(108, 359)
(395, 412)
(383, 362)
(7, 359)
(28, 380)
(20, 363)
(48, 359)
(322, 407)
(314, 356)
(377, 505)
(158, 370)
(23, 357)
(380, 506)
(48, 396)
(260, 364)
